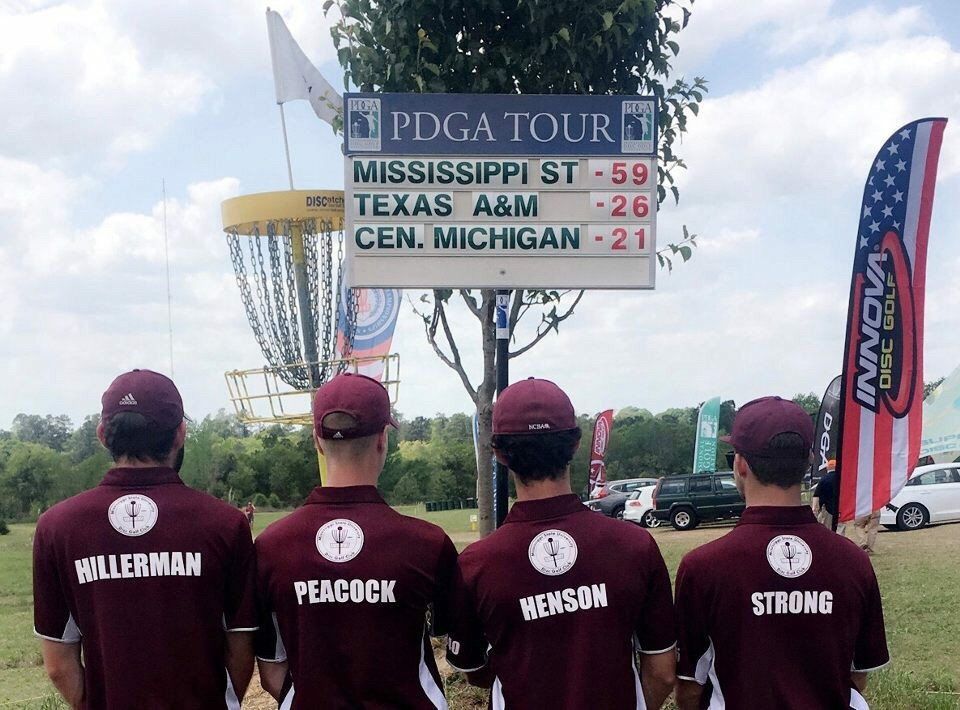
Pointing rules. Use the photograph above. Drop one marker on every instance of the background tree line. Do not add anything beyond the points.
(45, 458)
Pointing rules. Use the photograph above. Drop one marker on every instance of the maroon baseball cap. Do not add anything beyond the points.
(758, 421)
(533, 406)
(362, 397)
(147, 393)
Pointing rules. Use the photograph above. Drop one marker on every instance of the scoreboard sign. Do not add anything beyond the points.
(500, 191)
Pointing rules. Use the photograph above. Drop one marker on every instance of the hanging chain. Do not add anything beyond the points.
(270, 299)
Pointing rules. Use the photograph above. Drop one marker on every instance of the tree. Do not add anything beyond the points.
(28, 478)
(51, 431)
(417, 429)
(83, 442)
(810, 403)
(525, 46)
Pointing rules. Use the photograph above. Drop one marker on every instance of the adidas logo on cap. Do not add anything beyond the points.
(338, 435)
(128, 400)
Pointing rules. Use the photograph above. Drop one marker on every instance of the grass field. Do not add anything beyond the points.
(919, 577)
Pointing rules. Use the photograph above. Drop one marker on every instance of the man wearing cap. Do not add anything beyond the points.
(551, 608)
(780, 612)
(152, 579)
(345, 582)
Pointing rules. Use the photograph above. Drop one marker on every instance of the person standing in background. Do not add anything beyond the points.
(825, 496)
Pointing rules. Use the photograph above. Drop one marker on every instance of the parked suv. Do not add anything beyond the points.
(615, 494)
(690, 499)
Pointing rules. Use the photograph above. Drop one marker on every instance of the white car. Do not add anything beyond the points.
(639, 508)
(932, 495)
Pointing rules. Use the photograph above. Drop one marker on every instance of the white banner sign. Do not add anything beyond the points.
(538, 220)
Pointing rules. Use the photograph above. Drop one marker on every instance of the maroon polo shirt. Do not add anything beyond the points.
(557, 600)
(344, 585)
(148, 575)
(776, 613)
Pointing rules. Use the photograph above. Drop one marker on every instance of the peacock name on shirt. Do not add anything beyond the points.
(322, 591)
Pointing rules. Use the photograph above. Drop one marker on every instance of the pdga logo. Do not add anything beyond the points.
(886, 356)
(363, 117)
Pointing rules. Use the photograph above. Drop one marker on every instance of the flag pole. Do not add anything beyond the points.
(166, 253)
(286, 145)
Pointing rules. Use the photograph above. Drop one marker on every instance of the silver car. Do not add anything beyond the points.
(613, 499)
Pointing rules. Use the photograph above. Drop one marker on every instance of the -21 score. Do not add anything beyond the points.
(616, 239)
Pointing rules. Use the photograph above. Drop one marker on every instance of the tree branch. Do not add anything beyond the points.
(551, 323)
(471, 303)
(453, 361)
(515, 308)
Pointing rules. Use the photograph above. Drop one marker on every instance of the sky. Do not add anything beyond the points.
(107, 100)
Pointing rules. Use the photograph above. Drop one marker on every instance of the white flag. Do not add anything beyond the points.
(294, 75)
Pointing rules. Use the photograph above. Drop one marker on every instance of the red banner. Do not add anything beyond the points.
(601, 437)
(882, 386)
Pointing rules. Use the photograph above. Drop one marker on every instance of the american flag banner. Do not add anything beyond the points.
(377, 311)
(882, 387)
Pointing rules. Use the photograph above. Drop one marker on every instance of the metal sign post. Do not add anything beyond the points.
(497, 191)
(501, 476)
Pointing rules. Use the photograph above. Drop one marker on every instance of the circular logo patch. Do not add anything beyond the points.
(132, 515)
(552, 552)
(340, 540)
(789, 555)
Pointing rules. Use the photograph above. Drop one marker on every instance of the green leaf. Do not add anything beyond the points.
(421, 33)
(432, 67)
(387, 27)
(686, 252)
(674, 47)
(607, 20)
(695, 109)
(327, 5)
(565, 33)
(676, 194)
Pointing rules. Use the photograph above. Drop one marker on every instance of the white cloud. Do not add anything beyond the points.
(759, 309)
(868, 25)
(81, 305)
(728, 239)
(97, 80)
(818, 125)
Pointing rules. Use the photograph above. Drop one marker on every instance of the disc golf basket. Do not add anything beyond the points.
(287, 252)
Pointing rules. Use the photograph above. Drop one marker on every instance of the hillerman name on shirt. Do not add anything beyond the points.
(138, 564)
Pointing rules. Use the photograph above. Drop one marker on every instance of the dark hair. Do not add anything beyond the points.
(788, 467)
(537, 457)
(130, 434)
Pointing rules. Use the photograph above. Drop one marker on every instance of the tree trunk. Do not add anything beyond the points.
(485, 393)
